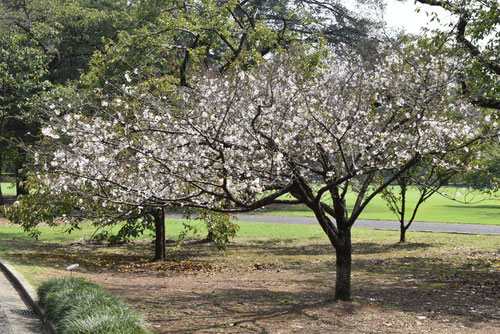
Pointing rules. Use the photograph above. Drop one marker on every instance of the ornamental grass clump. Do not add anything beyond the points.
(76, 306)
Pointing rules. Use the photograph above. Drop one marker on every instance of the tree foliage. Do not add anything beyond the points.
(477, 36)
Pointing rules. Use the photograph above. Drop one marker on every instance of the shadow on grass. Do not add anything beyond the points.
(241, 309)
(258, 309)
(444, 299)
(376, 248)
(193, 256)
(13, 236)
(448, 286)
(52, 254)
(285, 247)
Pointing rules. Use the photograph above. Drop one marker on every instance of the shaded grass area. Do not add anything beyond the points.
(57, 249)
(291, 270)
(76, 306)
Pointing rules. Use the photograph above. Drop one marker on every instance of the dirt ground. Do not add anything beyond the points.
(289, 302)
(279, 287)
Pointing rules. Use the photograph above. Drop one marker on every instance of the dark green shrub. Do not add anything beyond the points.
(76, 306)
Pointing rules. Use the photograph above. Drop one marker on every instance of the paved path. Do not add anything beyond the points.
(372, 224)
(15, 316)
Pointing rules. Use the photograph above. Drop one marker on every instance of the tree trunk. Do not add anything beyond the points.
(20, 189)
(160, 243)
(20, 178)
(402, 233)
(210, 236)
(2, 147)
(2, 202)
(343, 266)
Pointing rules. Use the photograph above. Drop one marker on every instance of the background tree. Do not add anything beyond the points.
(47, 41)
(427, 179)
(22, 68)
(477, 35)
(475, 173)
(487, 176)
(68, 32)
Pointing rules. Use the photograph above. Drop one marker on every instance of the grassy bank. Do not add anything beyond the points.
(57, 249)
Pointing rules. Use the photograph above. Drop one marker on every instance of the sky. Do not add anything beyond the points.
(402, 15)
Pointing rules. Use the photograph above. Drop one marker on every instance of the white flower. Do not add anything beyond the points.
(49, 132)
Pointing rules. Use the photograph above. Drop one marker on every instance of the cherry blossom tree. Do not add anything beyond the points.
(282, 132)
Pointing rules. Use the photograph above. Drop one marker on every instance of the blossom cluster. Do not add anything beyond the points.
(245, 135)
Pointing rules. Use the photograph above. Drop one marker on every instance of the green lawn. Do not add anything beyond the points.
(436, 209)
(249, 231)
(8, 188)
(37, 260)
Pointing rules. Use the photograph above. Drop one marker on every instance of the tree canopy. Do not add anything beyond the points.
(477, 36)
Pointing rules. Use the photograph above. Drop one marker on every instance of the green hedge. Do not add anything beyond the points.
(76, 306)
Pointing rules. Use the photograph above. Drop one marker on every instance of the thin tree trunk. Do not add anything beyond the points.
(402, 233)
(2, 201)
(20, 177)
(2, 147)
(343, 266)
(160, 242)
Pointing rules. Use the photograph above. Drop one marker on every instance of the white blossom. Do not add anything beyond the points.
(244, 135)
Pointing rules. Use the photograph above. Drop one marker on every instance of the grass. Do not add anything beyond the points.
(436, 209)
(76, 306)
(8, 188)
(173, 228)
(303, 248)
(249, 231)
(38, 259)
